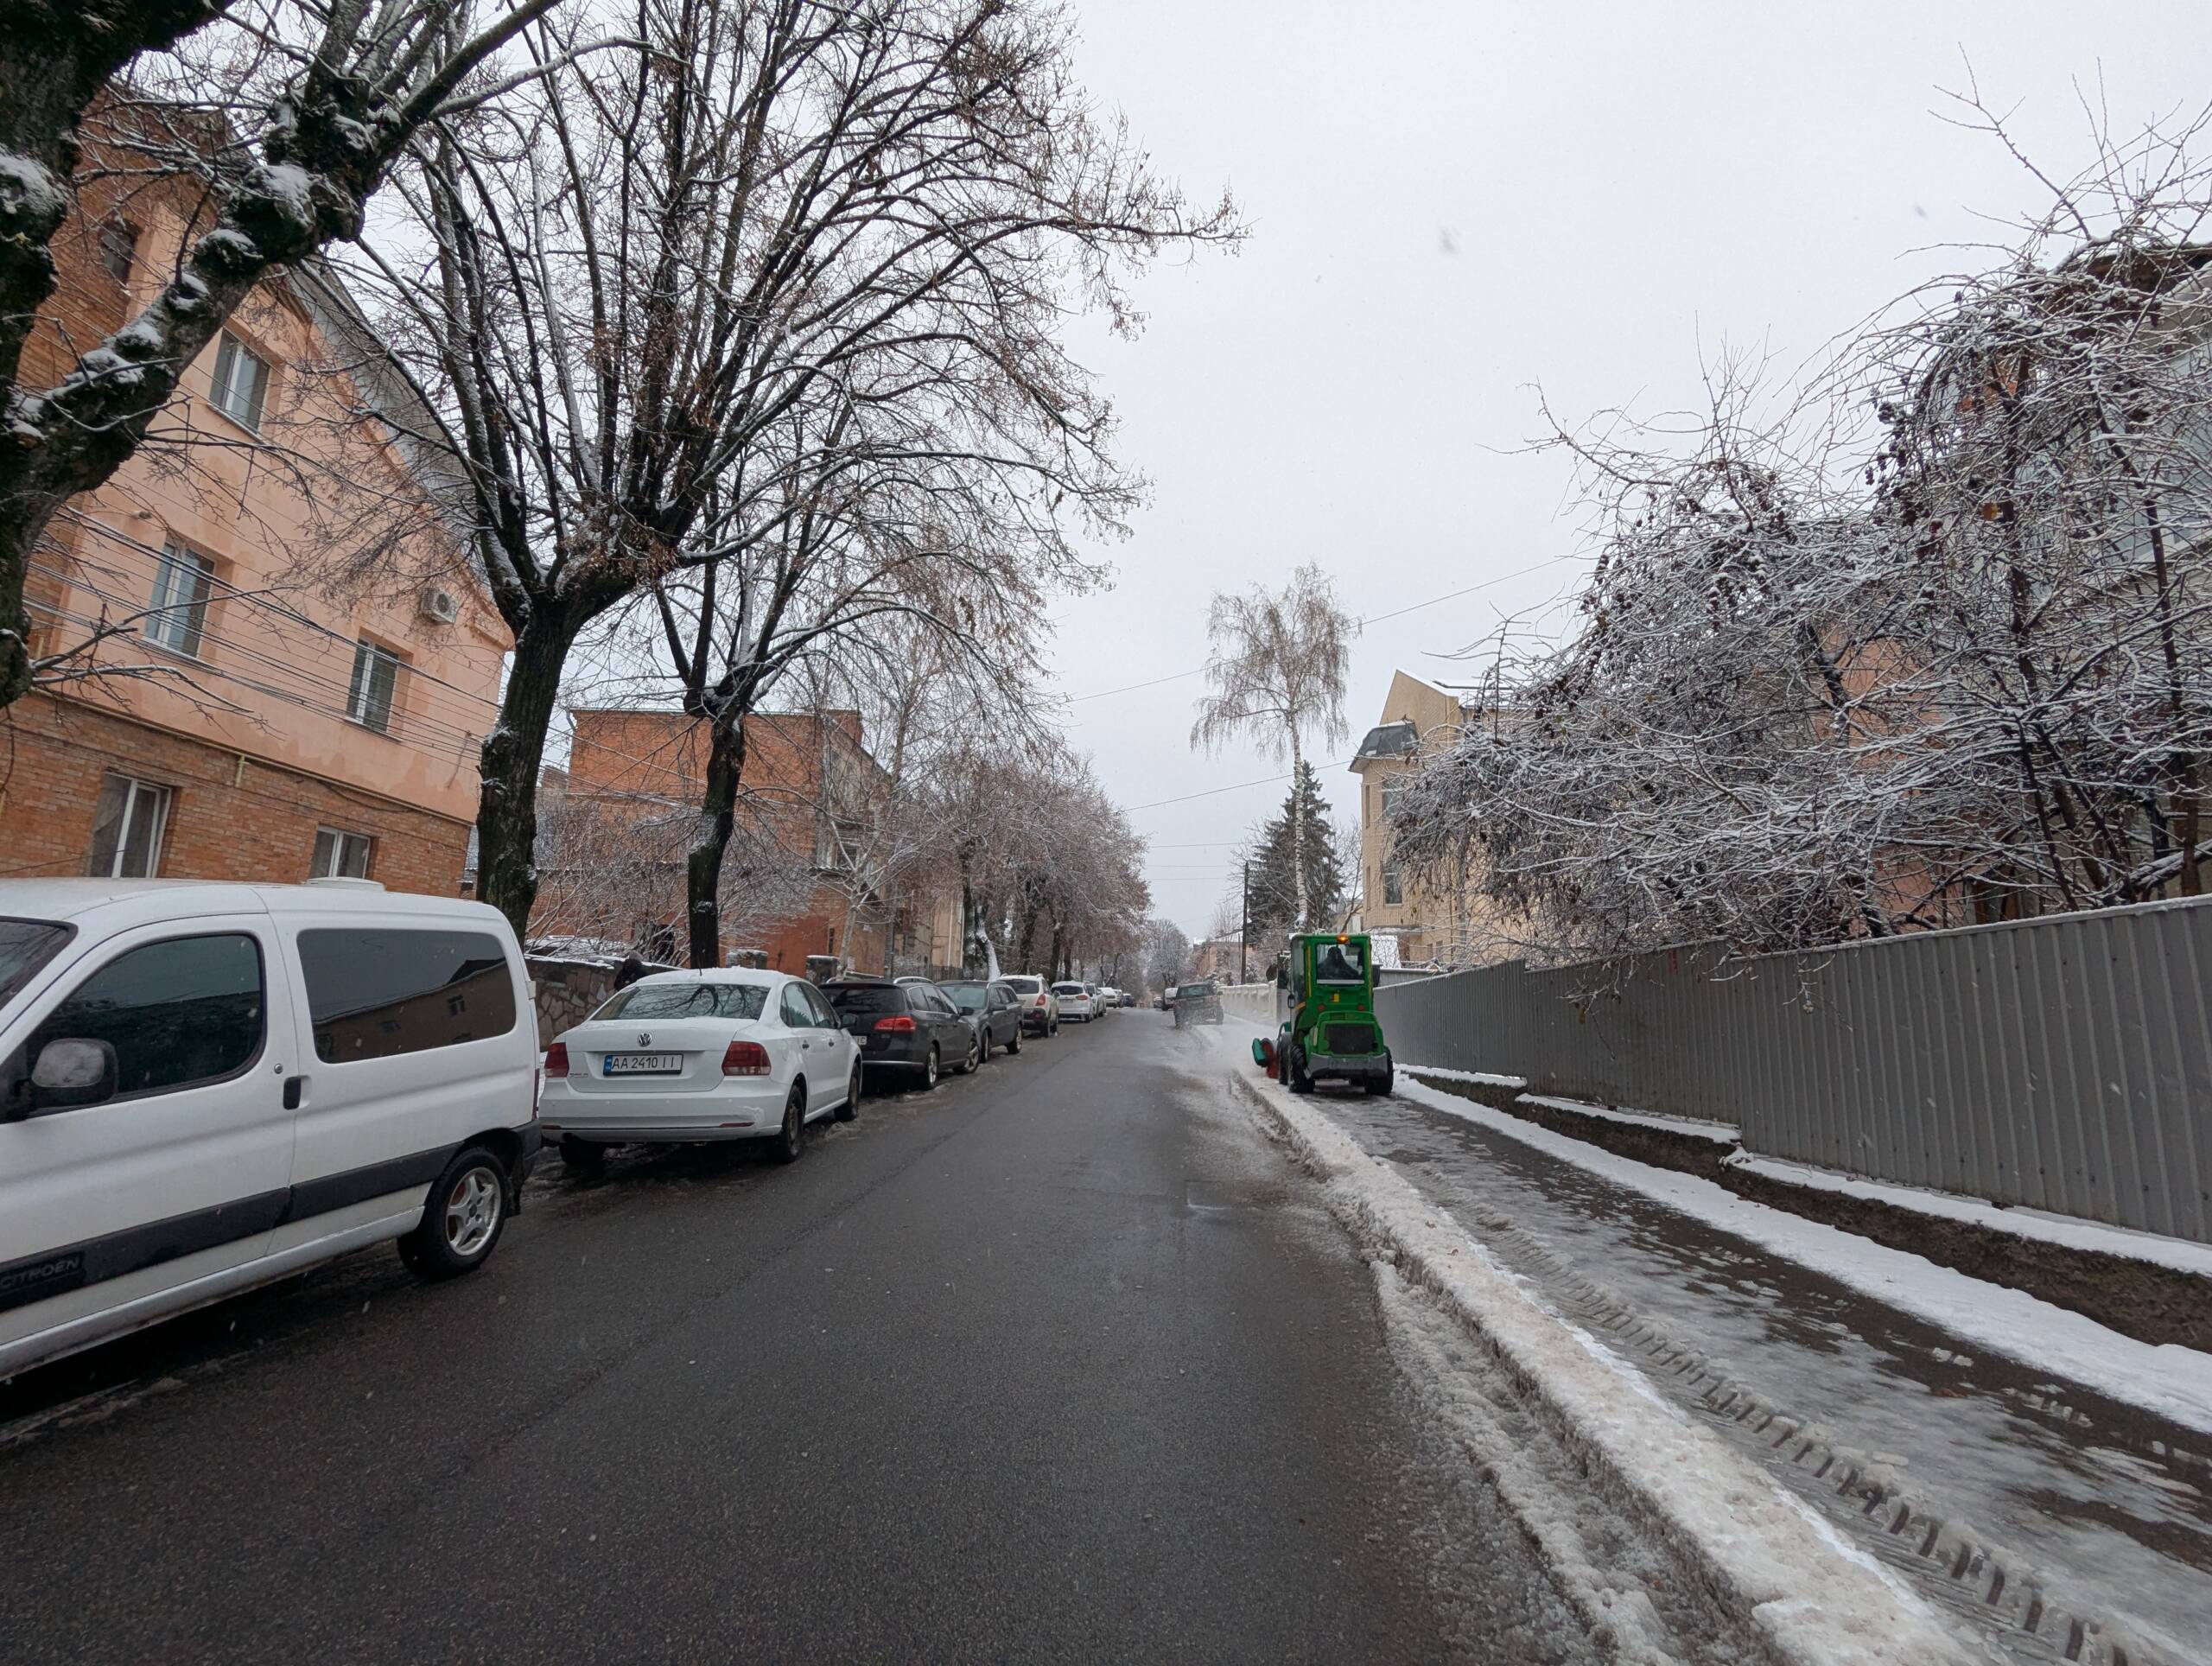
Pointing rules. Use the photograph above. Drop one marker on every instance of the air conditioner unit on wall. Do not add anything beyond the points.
(440, 607)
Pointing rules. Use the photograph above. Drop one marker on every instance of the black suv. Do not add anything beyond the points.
(1197, 1003)
(913, 1029)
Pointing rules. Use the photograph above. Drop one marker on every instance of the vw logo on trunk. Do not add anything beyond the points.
(645, 1038)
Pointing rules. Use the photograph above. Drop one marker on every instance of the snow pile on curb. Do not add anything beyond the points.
(1814, 1601)
(1726, 1134)
(2179, 1254)
(2172, 1381)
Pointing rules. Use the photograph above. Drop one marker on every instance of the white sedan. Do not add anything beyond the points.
(1076, 1001)
(728, 1053)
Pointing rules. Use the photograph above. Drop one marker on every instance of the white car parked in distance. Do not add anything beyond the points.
(1076, 1001)
(726, 1053)
(206, 1086)
(1109, 998)
(1040, 1007)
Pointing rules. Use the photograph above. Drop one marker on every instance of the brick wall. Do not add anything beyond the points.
(230, 817)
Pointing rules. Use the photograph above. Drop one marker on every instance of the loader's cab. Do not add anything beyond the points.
(1325, 1003)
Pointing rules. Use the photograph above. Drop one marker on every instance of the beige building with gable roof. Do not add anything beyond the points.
(1425, 922)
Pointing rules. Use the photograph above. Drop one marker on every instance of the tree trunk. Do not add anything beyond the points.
(507, 815)
(702, 869)
(1298, 828)
(1032, 906)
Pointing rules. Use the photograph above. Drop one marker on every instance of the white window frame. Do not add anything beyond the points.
(242, 402)
(134, 790)
(1394, 886)
(175, 620)
(341, 842)
(361, 695)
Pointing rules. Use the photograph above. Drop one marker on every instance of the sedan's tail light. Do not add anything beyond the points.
(556, 1061)
(899, 1021)
(745, 1059)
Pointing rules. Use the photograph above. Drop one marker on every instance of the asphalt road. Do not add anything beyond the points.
(1060, 1362)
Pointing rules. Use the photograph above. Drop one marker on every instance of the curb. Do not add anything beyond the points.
(1809, 1598)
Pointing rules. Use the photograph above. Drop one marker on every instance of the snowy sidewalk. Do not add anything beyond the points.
(2060, 1522)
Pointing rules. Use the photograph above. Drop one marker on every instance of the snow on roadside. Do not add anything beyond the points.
(1481, 1078)
(2179, 1254)
(1812, 1606)
(1718, 1133)
(2172, 1381)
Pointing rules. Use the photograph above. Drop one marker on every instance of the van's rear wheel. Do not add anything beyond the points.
(462, 1223)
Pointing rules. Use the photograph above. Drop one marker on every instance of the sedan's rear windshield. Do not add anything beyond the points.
(686, 1001)
(26, 945)
(1026, 985)
(968, 997)
(1069, 988)
(866, 998)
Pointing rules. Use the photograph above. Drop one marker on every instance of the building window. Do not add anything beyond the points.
(241, 382)
(340, 856)
(127, 827)
(119, 248)
(1389, 800)
(376, 680)
(1393, 889)
(178, 615)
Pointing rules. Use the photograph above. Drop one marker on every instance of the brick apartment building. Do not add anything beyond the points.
(801, 877)
(265, 717)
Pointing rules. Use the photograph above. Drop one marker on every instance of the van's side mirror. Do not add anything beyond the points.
(71, 1071)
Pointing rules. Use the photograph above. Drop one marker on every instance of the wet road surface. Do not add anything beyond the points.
(1060, 1362)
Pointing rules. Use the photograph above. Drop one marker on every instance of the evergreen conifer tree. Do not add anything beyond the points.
(1275, 880)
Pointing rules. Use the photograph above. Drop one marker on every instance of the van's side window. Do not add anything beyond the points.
(178, 1013)
(375, 993)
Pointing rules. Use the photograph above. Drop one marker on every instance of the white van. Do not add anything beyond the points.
(206, 1086)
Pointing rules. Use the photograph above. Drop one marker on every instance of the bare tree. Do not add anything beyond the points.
(864, 224)
(282, 122)
(1275, 669)
(1166, 954)
(874, 539)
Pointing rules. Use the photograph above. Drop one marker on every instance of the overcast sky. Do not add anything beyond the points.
(1452, 203)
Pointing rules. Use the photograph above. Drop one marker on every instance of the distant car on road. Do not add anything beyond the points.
(1198, 1004)
(689, 1057)
(1167, 998)
(1129, 997)
(1109, 998)
(1040, 1007)
(1076, 1001)
(910, 1028)
(992, 1007)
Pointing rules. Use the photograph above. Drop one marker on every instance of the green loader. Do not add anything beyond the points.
(1324, 1005)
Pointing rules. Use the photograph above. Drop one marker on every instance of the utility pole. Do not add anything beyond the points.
(1245, 927)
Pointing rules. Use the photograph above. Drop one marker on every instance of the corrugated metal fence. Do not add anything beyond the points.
(2062, 1063)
